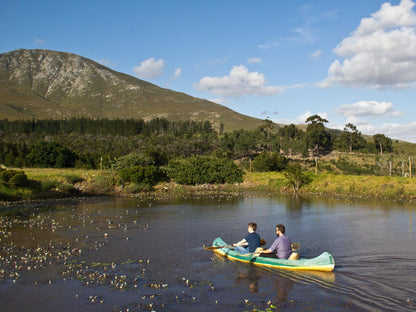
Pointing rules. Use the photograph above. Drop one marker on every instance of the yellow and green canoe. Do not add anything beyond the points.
(323, 262)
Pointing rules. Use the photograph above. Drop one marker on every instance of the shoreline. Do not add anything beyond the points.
(174, 191)
(66, 186)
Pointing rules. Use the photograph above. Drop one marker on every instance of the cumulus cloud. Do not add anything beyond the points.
(150, 68)
(369, 109)
(239, 82)
(177, 73)
(405, 132)
(380, 53)
(255, 60)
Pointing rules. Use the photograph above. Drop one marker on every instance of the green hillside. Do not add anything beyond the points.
(43, 84)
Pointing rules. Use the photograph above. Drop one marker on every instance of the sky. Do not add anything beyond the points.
(347, 61)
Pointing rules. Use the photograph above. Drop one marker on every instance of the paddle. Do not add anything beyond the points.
(216, 247)
(262, 243)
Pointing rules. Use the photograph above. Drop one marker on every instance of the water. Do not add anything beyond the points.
(147, 255)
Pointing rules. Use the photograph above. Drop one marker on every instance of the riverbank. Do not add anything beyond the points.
(57, 184)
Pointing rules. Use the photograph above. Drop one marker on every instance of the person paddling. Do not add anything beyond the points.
(250, 242)
(281, 247)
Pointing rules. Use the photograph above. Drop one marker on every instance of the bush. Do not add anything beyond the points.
(266, 162)
(50, 155)
(149, 175)
(19, 180)
(203, 169)
(296, 176)
(13, 178)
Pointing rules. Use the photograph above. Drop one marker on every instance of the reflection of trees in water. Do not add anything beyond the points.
(282, 285)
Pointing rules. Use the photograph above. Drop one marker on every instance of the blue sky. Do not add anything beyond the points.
(348, 61)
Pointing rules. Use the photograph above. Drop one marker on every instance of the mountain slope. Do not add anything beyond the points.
(45, 84)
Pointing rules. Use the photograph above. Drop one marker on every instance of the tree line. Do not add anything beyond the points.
(121, 127)
(90, 143)
(143, 153)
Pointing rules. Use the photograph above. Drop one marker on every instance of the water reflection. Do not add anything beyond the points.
(149, 253)
(282, 285)
(251, 276)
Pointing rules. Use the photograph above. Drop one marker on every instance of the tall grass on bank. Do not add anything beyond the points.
(54, 183)
(57, 183)
(329, 184)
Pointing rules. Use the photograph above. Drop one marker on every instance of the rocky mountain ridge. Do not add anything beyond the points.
(43, 84)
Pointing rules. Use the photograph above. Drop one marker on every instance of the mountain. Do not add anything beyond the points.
(44, 84)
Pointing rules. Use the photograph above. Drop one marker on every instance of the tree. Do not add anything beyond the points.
(266, 129)
(203, 169)
(269, 162)
(50, 154)
(296, 177)
(290, 133)
(384, 143)
(351, 137)
(316, 136)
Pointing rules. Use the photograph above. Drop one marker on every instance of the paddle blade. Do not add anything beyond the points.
(215, 247)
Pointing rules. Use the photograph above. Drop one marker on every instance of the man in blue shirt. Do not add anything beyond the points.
(250, 242)
(281, 247)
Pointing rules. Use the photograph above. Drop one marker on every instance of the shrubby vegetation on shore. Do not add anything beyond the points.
(130, 156)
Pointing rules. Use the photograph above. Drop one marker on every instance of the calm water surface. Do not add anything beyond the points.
(136, 255)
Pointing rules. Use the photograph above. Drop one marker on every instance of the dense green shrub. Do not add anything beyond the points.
(266, 162)
(203, 169)
(13, 178)
(149, 175)
(50, 154)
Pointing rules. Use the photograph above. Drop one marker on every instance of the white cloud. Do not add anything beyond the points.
(380, 53)
(268, 45)
(316, 54)
(39, 41)
(368, 109)
(150, 68)
(255, 60)
(405, 132)
(177, 73)
(238, 83)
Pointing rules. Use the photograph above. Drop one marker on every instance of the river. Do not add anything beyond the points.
(146, 255)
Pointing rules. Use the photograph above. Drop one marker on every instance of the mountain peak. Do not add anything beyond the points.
(44, 84)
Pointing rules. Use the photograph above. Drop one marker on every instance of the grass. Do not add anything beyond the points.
(330, 184)
(53, 183)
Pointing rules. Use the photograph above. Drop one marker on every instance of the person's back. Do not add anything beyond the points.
(253, 240)
(250, 242)
(282, 247)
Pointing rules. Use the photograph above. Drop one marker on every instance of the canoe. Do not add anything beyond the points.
(323, 262)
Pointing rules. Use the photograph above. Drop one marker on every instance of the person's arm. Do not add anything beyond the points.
(243, 242)
(272, 248)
